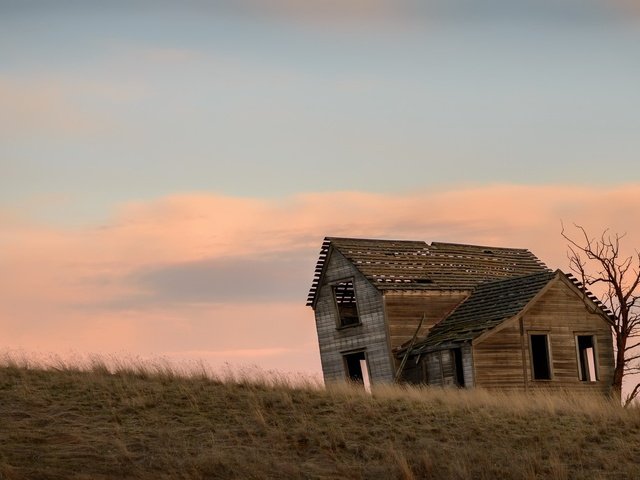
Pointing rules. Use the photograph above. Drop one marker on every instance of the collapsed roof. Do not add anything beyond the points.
(416, 265)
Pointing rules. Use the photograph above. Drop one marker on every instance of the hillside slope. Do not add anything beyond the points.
(67, 423)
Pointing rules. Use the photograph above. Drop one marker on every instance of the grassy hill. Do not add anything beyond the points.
(150, 422)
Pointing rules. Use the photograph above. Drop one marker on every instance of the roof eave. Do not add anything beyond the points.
(507, 321)
(321, 266)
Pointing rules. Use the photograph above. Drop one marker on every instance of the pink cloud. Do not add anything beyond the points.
(185, 273)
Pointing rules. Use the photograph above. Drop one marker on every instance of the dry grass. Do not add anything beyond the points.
(98, 420)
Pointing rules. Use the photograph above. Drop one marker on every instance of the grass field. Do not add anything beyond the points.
(149, 421)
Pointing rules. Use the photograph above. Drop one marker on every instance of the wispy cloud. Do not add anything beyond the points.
(178, 247)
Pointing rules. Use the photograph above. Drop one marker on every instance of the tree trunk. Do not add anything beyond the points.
(618, 375)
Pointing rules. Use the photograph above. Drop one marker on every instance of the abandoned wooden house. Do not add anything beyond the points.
(451, 314)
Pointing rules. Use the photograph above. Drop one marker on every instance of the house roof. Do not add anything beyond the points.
(489, 305)
(416, 265)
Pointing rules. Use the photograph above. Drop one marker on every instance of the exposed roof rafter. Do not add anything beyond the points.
(416, 265)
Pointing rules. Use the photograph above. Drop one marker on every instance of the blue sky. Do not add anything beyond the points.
(168, 169)
(249, 100)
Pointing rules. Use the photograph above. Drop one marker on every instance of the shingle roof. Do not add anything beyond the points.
(416, 265)
(489, 305)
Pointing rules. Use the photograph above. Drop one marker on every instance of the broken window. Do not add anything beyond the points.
(345, 297)
(540, 357)
(356, 368)
(586, 358)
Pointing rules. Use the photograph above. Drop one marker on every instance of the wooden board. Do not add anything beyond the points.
(404, 311)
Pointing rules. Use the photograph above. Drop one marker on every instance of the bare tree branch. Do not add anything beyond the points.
(632, 395)
(599, 262)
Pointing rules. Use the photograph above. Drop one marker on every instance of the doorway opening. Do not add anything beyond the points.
(457, 359)
(356, 368)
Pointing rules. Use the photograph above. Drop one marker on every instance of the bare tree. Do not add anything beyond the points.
(599, 263)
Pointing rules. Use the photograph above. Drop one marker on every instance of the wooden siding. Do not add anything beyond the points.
(498, 359)
(502, 359)
(369, 336)
(405, 309)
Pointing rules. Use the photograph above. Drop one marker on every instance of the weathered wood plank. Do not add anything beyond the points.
(404, 312)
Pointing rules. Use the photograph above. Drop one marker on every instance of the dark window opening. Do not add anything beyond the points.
(457, 359)
(346, 301)
(586, 358)
(540, 357)
(356, 368)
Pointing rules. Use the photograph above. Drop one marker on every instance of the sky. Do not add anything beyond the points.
(168, 170)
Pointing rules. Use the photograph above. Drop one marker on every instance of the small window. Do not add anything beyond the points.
(540, 357)
(586, 358)
(356, 368)
(345, 297)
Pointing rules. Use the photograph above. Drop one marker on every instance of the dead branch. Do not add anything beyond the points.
(599, 261)
(634, 393)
